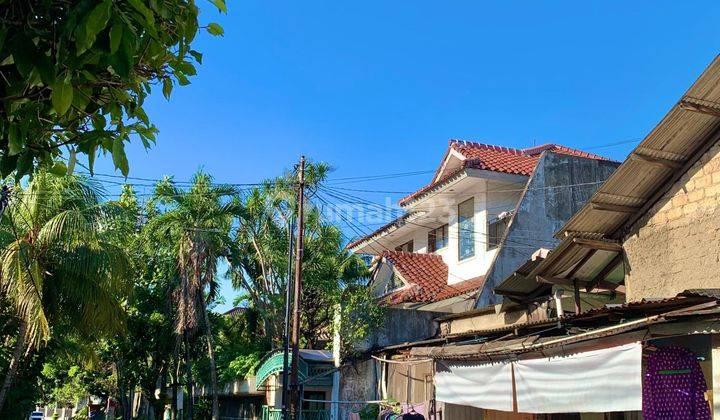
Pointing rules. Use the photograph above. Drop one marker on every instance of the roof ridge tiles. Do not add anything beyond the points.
(487, 146)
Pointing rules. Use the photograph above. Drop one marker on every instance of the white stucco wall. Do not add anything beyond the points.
(487, 205)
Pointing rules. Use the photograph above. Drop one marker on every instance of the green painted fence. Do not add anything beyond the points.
(271, 413)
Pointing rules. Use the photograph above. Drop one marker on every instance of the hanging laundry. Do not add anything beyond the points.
(674, 386)
(413, 411)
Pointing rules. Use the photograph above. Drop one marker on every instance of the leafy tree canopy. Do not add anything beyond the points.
(75, 73)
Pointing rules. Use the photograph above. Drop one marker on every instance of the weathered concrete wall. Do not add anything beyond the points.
(676, 245)
(559, 187)
(483, 321)
(401, 326)
(358, 382)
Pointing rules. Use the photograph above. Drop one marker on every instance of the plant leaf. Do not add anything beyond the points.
(115, 36)
(119, 158)
(220, 4)
(96, 21)
(15, 142)
(215, 29)
(167, 87)
(58, 168)
(140, 7)
(197, 56)
(62, 96)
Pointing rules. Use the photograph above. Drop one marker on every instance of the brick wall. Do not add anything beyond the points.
(676, 246)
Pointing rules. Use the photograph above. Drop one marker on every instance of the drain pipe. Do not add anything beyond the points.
(558, 306)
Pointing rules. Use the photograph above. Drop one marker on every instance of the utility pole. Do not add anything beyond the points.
(286, 334)
(294, 379)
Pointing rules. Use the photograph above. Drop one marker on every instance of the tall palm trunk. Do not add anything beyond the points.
(175, 381)
(213, 371)
(188, 373)
(14, 363)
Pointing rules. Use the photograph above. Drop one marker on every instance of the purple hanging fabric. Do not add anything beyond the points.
(674, 386)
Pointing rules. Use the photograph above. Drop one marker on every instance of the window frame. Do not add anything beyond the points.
(466, 229)
(432, 238)
(394, 283)
(493, 241)
(402, 247)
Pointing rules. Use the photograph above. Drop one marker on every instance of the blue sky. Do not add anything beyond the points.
(378, 87)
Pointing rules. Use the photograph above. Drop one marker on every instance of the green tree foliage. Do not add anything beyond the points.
(59, 269)
(238, 349)
(76, 73)
(259, 260)
(134, 284)
(198, 223)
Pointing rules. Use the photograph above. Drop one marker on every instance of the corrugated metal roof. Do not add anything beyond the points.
(518, 282)
(633, 315)
(636, 184)
(561, 262)
(711, 293)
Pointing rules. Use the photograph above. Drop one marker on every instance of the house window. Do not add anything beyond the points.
(393, 283)
(438, 238)
(496, 230)
(466, 229)
(313, 405)
(406, 247)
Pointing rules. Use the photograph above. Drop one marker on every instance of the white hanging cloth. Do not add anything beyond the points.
(477, 385)
(597, 381)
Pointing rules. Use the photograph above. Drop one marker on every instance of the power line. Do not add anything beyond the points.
(519, 244)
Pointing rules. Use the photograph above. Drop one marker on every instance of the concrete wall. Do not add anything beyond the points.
(676, 245)
(483, 321)
(400, 326)
(445, 207)
(559, 187)
(358, 382)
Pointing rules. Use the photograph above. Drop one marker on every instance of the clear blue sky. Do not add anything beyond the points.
(378, 87)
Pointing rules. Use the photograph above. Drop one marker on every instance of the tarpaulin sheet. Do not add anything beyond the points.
(596, 381)
(477, 385)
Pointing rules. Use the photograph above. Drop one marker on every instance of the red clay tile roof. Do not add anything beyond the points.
(498, 159)
(487, 157)
(557, 148)
(427, 276)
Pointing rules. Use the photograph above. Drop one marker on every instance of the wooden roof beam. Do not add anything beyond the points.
(616, 208)
(668, 183)
(599, 244)
(603, 284)
(582, 262)
(656, 161)
(602, 275)
(696, 107)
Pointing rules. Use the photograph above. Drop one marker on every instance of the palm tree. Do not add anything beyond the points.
(198, 221)
(57, 266)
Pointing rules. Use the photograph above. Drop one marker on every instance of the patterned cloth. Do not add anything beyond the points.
(674, 386)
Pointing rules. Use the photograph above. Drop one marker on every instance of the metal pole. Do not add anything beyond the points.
(295, 384)
(286, 334)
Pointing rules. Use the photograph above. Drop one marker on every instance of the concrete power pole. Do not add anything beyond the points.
(296, 404)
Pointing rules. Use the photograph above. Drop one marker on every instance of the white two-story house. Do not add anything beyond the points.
(440, 255)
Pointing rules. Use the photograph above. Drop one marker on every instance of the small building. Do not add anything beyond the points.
(619, 319)
(315, 373)
(486, 209)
